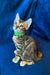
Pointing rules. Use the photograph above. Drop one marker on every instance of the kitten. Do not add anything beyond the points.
(26, 47)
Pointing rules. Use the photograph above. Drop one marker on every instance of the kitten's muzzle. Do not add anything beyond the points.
(17, 27)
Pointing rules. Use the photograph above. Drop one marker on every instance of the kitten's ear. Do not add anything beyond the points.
(17, 16)
(28, 23)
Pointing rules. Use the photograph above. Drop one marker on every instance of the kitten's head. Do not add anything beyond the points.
(21, 26)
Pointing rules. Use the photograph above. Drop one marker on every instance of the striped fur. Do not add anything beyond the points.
(26, 47)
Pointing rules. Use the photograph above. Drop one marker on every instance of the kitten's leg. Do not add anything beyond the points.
(16, 59)
(23, 63)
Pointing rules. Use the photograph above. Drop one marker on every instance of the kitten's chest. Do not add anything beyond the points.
(19, 42)
(22, 42)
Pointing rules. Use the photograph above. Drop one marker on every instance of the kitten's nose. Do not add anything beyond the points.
(16, 27)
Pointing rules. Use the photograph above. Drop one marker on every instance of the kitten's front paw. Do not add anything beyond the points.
(16, 59)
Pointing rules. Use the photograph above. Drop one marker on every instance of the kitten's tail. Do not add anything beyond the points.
(40, 56)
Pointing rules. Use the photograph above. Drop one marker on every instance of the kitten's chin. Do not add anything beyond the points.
(17, 30)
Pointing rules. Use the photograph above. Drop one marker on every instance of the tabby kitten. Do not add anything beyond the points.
(26, 47)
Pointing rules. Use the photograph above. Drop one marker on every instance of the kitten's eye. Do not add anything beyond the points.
(16, 23)
(21, 26)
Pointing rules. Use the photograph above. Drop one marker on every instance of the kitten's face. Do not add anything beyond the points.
(21, 26)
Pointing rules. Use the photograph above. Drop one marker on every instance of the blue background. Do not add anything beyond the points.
(39, 11)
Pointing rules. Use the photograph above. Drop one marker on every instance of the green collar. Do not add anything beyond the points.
(15, 33)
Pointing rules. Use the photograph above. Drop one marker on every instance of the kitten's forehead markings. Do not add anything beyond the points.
(20, 21)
